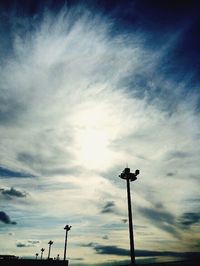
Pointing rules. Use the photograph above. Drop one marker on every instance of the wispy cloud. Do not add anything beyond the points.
(109, 207)
(27, 243)
(12, 192)
(189, 218)
(161, 218)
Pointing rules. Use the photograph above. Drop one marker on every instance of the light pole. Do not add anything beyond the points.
(126, 174)
(36, 255)
(50, 243)
(67, 228)
(42, 250)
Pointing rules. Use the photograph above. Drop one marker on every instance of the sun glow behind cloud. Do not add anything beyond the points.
(93, 150)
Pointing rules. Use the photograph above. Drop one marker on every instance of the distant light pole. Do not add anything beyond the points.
(50, 243)
(126, 174)
(42, 250)
(36, 255)
(67, 228)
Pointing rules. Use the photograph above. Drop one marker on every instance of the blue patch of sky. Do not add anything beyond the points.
(7, 173)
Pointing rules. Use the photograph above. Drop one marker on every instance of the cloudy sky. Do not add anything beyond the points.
(86, 88)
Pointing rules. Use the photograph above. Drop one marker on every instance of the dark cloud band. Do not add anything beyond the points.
(5, 218)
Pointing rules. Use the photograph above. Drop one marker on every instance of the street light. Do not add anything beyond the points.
(67, 228)
(126, 174)
(36, 255)
(50, 243)
(42, 250)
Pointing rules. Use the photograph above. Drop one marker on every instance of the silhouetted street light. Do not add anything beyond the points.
(67, 228)
(36, 255)
(50, 243)
(42, 250)
(126, 174)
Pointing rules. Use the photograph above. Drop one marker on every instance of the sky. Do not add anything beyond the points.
(87, 88)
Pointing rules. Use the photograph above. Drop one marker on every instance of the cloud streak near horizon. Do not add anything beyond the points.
(80, 97)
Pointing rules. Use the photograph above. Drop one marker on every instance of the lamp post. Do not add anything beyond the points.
(67, 228)
(128, 176)
(42, 250)
(50, 243)
(36, 255)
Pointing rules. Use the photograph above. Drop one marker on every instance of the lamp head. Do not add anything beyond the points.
(67, 227)
(126, 171)
(137, 172)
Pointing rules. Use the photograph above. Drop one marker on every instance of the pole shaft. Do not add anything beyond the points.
(132, 251)
(65, 246)
(49, 251)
